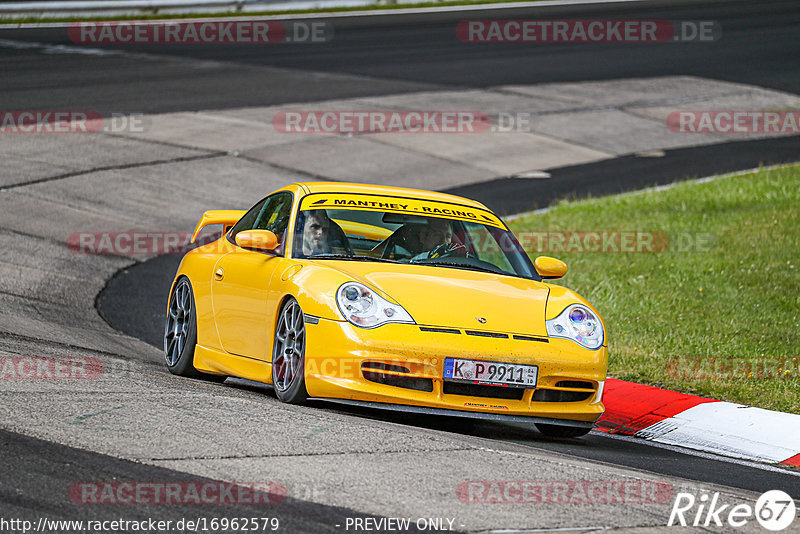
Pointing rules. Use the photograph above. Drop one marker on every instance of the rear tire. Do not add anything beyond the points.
(289, 355)
(180, 334)
(561, 431)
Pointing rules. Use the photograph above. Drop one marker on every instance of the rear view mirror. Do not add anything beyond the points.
(548, 267)
(262, 240)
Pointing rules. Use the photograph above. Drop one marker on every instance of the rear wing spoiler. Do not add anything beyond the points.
(224, 217)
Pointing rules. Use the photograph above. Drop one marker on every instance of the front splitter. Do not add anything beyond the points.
(457, 413)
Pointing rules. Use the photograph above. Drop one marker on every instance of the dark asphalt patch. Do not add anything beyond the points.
(374, 55)
(601, 447)
(629, 173)
(36, 477)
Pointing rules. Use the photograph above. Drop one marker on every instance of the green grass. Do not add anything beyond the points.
(165, 16)
(737, 299)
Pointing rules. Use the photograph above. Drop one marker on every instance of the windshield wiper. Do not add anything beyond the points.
(460, 266)
(348, 257)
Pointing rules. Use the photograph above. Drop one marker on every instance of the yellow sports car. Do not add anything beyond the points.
(387, 297)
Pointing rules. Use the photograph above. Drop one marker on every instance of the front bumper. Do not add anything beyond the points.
(402, 364)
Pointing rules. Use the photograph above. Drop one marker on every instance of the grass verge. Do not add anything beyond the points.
(715, 314)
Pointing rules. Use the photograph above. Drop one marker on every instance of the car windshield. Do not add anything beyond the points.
(469, 238)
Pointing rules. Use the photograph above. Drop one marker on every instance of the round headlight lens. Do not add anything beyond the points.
(352, 293)
(361, 307)
(577, 315)
(358, 300)
(578, 323)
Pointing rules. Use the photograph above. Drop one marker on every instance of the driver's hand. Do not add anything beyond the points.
(448, 249)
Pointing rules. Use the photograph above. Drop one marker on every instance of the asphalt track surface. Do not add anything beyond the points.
(375, 56)
(51, 469)
(144, 287)
(513, 195)
(133, 302)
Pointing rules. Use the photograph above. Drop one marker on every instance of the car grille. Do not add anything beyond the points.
(391, 375)
(575, 384)
(439, 330)
(482, 333)
(479, 390)
(380, 366)
(556, 395)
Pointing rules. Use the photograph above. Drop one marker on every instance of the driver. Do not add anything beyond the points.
(436, 239)
(436, 232)
(316, 229)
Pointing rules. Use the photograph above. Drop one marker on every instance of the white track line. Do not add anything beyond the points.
(730, 429)
(59, 49)
(702, 454)
(52, 49)
(354, 14)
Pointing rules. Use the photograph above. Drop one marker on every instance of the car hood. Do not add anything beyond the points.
(457, 298)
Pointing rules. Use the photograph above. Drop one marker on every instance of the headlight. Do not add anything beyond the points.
(578, 323)
(362, 307)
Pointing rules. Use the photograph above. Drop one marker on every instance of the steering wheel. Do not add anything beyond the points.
(447, 250)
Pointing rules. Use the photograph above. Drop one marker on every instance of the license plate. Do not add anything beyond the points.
(507, 374)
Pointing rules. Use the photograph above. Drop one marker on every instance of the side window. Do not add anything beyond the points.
(488, 249)
(246, 222)
(274, 215)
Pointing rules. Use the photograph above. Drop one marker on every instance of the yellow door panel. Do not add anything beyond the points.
(242, 307)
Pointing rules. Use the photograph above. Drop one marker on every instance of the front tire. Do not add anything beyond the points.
(288, 355)
(180, 334)
(560, 431)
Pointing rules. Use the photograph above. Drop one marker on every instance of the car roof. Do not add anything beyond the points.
(347, 187)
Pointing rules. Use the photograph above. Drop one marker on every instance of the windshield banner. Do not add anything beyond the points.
(402, 205)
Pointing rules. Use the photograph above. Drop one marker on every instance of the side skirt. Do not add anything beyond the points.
(221, 363)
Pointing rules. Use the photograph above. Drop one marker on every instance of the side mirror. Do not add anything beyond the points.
(548, 267)
(262, 240)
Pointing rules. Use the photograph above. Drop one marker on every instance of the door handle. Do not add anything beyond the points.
(219, 274)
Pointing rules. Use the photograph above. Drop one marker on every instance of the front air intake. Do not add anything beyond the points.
(394, 375)
(480, 390)
(556, 395)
